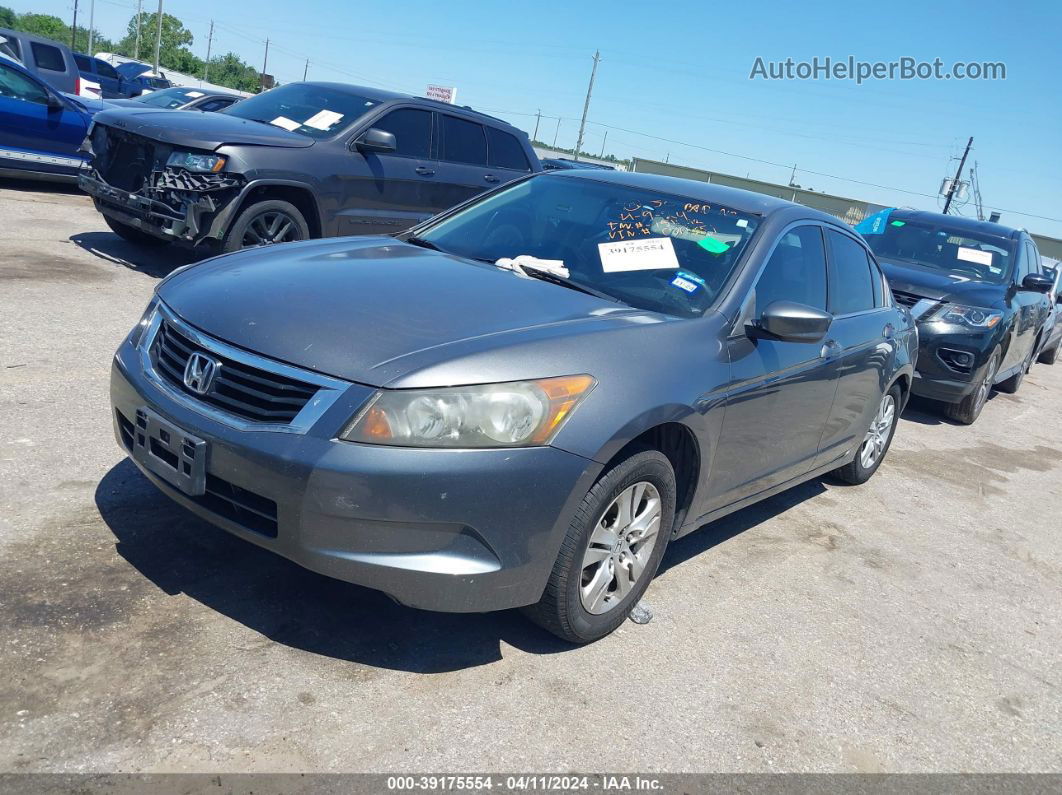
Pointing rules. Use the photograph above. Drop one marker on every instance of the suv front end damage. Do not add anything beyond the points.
(130, 180)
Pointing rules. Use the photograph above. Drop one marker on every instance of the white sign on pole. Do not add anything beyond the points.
(442, 93)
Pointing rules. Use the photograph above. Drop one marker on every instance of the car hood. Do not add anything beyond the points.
(375, 310)
(197, 130)
(89, 104)
(940, 286)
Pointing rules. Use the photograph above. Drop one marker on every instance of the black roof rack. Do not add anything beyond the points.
(468, 108)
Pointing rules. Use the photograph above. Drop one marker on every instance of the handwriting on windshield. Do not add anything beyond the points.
(690, 221)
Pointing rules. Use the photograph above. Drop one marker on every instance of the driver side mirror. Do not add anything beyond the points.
(376, 140)
(1037, 282)
(789, 321)
(54, 103)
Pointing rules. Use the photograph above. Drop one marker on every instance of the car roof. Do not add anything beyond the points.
(956, 222)
(34, 37)
(734, 198)
(383, 95)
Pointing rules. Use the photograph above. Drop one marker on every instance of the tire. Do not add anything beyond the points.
(266, 221)
(563, 609)
(969, 408)
(878, 436)
(1013, 384)
(1049, 356)
(132, 234)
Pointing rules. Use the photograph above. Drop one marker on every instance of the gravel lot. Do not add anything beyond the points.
(912, 624)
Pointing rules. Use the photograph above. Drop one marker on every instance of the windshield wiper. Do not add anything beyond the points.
(419, 241)
(564, 281)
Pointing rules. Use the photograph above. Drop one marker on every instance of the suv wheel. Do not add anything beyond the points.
(132, 234)
(611, 551)
(969, 408)
(1013, 384)
(1049, 356)
(266, 223)
(876, 442)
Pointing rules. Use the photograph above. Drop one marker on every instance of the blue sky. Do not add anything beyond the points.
(680, 71)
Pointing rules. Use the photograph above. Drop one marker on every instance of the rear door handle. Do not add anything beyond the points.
(490, 178)
(425, 172)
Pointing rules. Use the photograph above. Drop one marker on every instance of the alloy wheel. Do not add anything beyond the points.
(621, 544)
(270, 227)
(986, 385)
(878, 435)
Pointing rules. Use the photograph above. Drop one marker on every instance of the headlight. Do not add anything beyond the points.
(192, 162)
(967, 316)
(137, 334)
(515, 414)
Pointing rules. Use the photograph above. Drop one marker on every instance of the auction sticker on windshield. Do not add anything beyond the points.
(655, 253)
(974, 255)
(286, 123)
(323, 120)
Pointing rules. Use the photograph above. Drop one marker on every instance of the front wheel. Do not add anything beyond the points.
(611, 551)
(265, 223)
(969, 408)
(876, 441)
(1013, 384)
(1049, 356)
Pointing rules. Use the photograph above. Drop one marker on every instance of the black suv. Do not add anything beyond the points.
(301, 161)
(979, 295)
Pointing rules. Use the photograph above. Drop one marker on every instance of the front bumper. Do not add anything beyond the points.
(937, 377)
(454, 531)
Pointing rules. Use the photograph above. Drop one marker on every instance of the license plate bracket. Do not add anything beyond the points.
(173, 454)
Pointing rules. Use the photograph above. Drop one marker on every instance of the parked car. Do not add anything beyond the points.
(1052, 336)
(978, 294)
(41, 130)
(519, 402)
(300, 161)
(563, 163)
(102, 73)
(182, 98)
(139, 78)
(50, 60)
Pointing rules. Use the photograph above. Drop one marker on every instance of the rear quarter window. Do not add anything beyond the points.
(463, 141)
(48, 57)
(505, 151)
(83, 63)
(851, 286)
(105, 69)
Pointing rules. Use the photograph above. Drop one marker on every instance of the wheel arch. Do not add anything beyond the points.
(296, 193)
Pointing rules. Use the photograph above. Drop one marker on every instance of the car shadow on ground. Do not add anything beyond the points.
(931, 412)
(154, 261)
(42, 186)
(181, 553)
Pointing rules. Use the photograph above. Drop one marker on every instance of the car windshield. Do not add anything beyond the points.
(657, 251)
(307, 109)
(965, 255)
(170, 97)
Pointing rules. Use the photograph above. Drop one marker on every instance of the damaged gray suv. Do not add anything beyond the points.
(304, 160)
(521, 401)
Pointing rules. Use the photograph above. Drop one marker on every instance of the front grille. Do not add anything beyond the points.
(124, 160)
(229, 501)
(240, 389)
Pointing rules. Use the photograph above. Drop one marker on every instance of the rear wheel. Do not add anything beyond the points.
(969, 408)
(265, 223)
(132, 234)
(611, 551)
(875, 443)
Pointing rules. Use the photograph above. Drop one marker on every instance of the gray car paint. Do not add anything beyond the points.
(763, 415)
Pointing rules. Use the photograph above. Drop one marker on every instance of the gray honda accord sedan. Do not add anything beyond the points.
(519, 402)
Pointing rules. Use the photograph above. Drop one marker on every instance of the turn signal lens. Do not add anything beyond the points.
(513, 414)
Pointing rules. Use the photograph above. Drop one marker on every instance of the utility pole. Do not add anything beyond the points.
(586, 105)
(954, 186)
(975, 181)
(158, 37)
(265, 61)
(603, 144)
(306, 69)
(139, 4)
(792, 177)
(556, 133)
(92, 22)
(210, 41)
(538, 118)
(73, 29)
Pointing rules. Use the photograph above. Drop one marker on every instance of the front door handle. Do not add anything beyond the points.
(830, 348)
(490, 178)
(888, 331)
(425, 172)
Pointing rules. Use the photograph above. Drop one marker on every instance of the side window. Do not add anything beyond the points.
(877, 281)
(796, 271)
(215, 104)
(105, 69)
(1021, 269)
(17, 86)
(48, 57)
(506, 151)
(10, 46)
(412, 131)
(1034, 258)
(851, 289)
(84, 63)
(462, 141)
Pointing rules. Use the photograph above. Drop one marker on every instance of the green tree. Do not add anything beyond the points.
(176, 38)
(229, 70)
(7, 18)
(44, 25)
